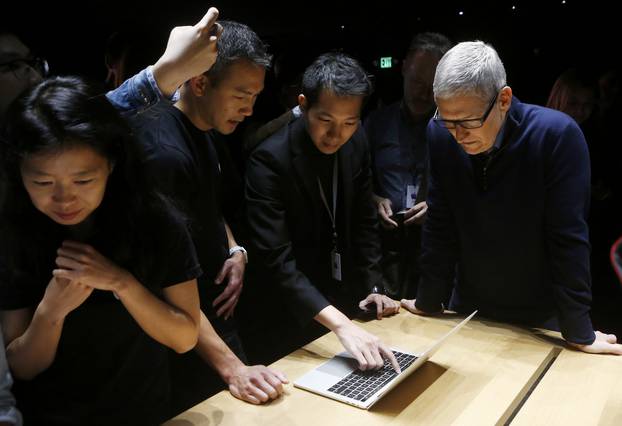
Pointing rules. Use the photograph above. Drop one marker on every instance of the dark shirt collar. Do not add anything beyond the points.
(499, 139)
(320, 162)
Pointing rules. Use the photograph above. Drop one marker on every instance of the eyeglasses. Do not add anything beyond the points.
(470, 123)
(22, 67)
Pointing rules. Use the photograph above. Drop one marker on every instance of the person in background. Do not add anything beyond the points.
(574, 92)
(399, 152)
(19, 69)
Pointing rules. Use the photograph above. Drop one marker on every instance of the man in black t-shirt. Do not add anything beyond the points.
(180, 155)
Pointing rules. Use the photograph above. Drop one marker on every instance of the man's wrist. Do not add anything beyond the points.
(239, 249)
(51, 316)
(161, 72)
(377, 289)
(230, 369)
(124, 285)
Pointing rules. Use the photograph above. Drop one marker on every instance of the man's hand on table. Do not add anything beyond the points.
(381, 305)
(603, 344)
(410, 306)
(256, 383)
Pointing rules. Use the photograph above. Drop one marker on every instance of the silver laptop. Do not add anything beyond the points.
(340, 378)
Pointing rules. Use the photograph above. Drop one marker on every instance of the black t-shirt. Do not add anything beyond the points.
(107, 370)
(183, 163)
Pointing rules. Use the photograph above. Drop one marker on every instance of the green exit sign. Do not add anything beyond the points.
(386, 62)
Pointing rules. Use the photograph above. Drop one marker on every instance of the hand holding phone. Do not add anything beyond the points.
(399, 217)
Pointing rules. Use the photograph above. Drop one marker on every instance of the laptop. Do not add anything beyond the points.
(340, 379)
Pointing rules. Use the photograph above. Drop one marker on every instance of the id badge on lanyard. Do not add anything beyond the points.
(411, 195)
(336, 264)
(335, 257)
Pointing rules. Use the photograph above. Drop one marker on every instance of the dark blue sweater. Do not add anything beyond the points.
(520, 242)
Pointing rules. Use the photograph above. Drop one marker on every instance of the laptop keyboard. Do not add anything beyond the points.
(361, 385)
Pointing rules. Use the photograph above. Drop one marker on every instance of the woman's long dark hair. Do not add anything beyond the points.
(60, 113)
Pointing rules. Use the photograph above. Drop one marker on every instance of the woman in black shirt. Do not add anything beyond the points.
(97, 272)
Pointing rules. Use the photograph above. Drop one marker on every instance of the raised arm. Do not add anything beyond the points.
(190, 51)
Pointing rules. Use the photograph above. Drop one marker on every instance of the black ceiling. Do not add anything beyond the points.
(534, 37)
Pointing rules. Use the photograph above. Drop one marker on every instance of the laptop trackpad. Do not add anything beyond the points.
(339, 366)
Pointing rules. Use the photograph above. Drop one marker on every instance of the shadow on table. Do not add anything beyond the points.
(193, 418)
(406, 392)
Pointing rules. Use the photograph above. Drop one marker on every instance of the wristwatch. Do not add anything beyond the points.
(239, 248)
(377, 289)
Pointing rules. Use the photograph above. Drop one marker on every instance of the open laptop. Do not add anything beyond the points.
(340, 379)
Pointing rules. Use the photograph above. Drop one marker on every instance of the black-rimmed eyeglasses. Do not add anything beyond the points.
(21, 67)
(470, 123)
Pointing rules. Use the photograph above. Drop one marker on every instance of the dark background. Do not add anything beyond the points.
(536, 40)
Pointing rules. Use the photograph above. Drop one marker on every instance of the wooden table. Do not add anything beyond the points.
(479, 377)
(577, 389)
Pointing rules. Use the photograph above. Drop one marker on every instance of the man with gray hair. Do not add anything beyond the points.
(507, 206)
(399, 154)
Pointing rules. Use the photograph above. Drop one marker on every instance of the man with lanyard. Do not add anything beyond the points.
(312, 221)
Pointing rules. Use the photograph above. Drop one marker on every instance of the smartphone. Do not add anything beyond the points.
(399, 217)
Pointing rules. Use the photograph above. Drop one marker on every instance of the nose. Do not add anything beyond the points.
(334, 132)
(460, 133)
(63, 195)
(247, 108)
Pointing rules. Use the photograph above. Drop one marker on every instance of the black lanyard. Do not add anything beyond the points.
(331, 214)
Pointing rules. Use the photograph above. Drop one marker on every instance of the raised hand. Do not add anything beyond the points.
(190, 51)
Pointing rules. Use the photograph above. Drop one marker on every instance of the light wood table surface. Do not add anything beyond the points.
(577, 389)
(479, 377)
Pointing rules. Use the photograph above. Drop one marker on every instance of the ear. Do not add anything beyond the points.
(198, 85)
(302, 102)
(505, 98)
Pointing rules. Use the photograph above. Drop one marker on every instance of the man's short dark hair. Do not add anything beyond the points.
(335, 72)
(432, 42)
(238, 41)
